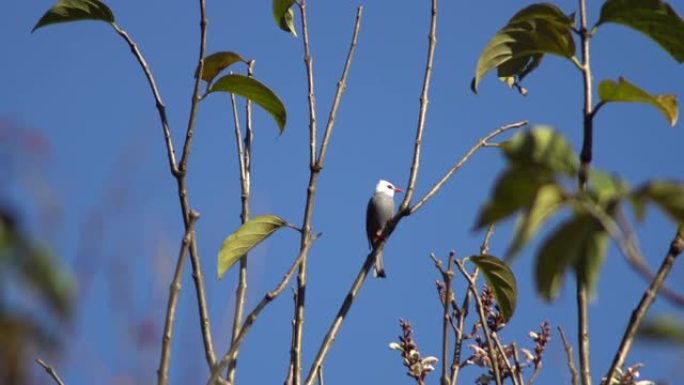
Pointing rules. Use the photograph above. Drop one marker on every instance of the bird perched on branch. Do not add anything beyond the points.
(380, 210)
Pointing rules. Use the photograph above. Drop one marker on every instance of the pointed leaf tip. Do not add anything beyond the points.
(217, 62)
(501, 280)
(284, 15)
(74, 10)
(255, 91)
(250, 234)
(624, 91)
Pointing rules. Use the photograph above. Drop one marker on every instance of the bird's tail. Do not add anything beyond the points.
(379, 267)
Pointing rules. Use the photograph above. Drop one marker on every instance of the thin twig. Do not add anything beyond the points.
(253, 316)
(244, 162)
(676, 248)
(583, 175)
(571, 360)
(480, 143)
(504, 357)
(315, 165)
(161, 108)
(174, 292)
(447, 277)
(51, 371)
(320, 376)
(484, 248)
(422, 112)
(179, 174)
(518, 367)
(342, 313)
(483, 322)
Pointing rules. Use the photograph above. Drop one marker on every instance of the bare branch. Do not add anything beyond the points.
(174, 292)
(676, 248)
(253, 316)
(51, 371)
(571, 360)
(480, 143)
(422, 112)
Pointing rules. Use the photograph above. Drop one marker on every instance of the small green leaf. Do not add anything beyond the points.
(250, 234)
(74, 10)
(548, 200)
(534, 31)
(662, 328)
(515, 189)
(606, 188)
(284, 15)
(654, 18)
(217, 62)
(544, 147)
(623, 91)
(501, 280)
(255, 91)
(578, 242)
(667, 195)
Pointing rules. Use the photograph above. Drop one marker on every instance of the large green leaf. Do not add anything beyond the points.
(534, 31)
(544, 147)
(548, 200)
(515, 189)
(500, 278)
(654, 18)
(74, 10)
(217, 62)
(624, 91)
(578, 242)
(250, 234)
(255, 91)
(284, 15)
(667, 195)
(662, 328)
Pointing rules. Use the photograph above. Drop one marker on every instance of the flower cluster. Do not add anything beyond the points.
(629, 377)
(540, 339)
(495, 320)
(418, 367)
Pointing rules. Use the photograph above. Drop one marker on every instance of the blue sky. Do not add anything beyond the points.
(117, 223)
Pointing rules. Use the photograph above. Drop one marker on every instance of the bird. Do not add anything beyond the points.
(380, 210)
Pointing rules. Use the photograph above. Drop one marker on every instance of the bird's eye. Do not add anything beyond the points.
(389, 186)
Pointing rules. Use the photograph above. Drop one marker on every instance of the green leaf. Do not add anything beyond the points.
(662, 328)
(74, 10)
(255, 91)
(534, 31)
(667, 195)
(217, 62)
(500, 278)
(578, 242)
(48, 278)
(284, 15)
(606, 188)
(544, 147)
(654, 18)
(515, 189)
(250, 234)
(623, 91)
(548, 200)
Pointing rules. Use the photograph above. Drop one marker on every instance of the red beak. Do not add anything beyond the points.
(397, 189)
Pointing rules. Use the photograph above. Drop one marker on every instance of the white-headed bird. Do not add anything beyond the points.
(380, 210)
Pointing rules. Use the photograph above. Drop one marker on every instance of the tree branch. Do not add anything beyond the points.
(174, 292)
(422, 112)
(51, 371)
(676, 248)
(571, 361)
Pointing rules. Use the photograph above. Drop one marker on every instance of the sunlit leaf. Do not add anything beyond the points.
(667, 195)
(548, 200)
(284, 15)
(217, 62)
(662, 328)
(605, 188)
(623, 91)
(654, 18)
(43, 272)
(74, 10)
(250, 234)
(534, 31)
(578, 242)
(255, 91)
(515, 189)
(501, 280)
(544, 147)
